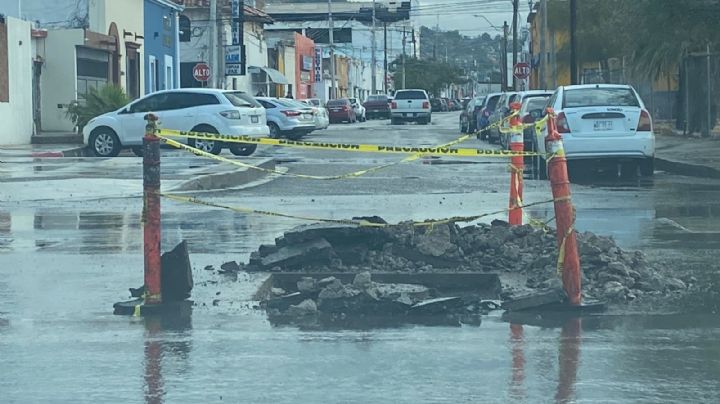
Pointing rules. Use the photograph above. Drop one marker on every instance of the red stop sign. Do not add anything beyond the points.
(521, 70)
(201, 72)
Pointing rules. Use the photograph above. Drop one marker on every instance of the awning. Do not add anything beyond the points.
(273, 75)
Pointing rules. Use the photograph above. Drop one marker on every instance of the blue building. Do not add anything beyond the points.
(162, 45)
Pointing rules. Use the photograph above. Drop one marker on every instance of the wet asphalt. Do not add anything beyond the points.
(71, 245)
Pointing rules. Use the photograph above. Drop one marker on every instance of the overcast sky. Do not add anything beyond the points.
(460, 14)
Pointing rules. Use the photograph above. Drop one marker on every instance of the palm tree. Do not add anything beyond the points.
(96, 102)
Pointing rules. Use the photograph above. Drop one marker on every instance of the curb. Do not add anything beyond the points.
(80, 151)
(690, 170)
(231, 179)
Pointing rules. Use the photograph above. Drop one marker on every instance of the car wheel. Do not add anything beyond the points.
(242, 149)
(274, 130)
(393, 121)
(137, 150)
(647, 167)
(104, 142)
(208, 146)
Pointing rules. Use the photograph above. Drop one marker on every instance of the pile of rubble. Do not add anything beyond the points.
(609, 273)
(329, 301)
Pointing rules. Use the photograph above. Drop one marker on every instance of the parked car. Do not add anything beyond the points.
(525, 95)
(377, 106)
(450, 103)
(322, 120)
(484, 111)
(287, 118)
(315, 102)
(445, 105)
(465, 101)
(604, 125)
(436, 104)
(198, 110)
(502, 111)
(532, 109)
(468, 123)
(359, 109)
(411, 105)
(341, 110)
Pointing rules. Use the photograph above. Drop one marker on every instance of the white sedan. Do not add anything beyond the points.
(189, 109)
(603, 123)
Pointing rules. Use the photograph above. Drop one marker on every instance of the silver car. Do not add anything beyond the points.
(287, 118)
(322, 120)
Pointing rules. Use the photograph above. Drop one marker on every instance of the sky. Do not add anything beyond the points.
(461, 14)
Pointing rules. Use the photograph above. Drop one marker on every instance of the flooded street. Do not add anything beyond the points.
(68, 253)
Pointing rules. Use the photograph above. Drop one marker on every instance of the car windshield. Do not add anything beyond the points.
(336, 103)
(241, 99)
(599, 97)
(410, 95)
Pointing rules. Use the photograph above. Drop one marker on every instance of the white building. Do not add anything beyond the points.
(16, 87)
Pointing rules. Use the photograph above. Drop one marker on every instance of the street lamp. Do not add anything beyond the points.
(488, 21)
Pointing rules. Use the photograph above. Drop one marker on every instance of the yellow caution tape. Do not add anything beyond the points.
(362, 148)
(361, 223)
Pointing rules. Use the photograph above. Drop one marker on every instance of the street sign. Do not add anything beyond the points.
(201, 72)
(232, 69)
(232, 54)
(318, 64)
(521, 70)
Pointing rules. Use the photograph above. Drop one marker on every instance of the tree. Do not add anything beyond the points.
(95, 103)
(431, 75)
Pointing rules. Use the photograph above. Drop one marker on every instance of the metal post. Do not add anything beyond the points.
(515, 40)
(517, 166)
(331, 28)
(414, 42)
(403, 58)
(573, 43)
(151, 211)
(687, 93)
(564, 213)
(385, 62)
(504, 70)
(212, 46)
(543, 51)
(709, 93)
(373, 68)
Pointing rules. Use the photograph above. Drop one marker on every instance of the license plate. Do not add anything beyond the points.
(254, 118)
(603, 125)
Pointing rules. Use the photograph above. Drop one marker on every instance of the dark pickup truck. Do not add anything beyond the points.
(377, 106)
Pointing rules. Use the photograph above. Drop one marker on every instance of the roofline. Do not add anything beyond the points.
(168, 3)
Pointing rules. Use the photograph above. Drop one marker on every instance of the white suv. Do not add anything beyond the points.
(199, 110)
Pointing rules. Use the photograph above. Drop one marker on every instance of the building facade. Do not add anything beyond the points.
(162, 46)
(15, 82)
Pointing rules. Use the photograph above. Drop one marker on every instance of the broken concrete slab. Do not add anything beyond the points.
(534, 300)
(317, 251)
(436, 306)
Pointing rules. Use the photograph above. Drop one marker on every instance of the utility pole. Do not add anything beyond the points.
(212, 46)
(709, 86)
(543, 51)
(385, 64)
(503, 70)
(573, 42)
(414, 42)
(374, 53)
(403, 83)
(515, 39)
(332, 51)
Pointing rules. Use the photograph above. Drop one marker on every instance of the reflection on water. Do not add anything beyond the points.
(517, 390)
(208, 231)
(160, 343)
(569, 360)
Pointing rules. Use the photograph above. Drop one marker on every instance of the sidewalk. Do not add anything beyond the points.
(691, 156)
(45, 150)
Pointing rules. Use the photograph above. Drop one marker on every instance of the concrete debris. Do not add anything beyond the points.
(333, 301)
(497, 247)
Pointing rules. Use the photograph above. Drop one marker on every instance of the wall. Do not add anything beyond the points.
(16, 113)
(161, 42)
(58, 80)
(128, 15)
(304, 46)
(290, 65)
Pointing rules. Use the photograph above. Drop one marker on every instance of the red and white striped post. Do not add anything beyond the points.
(564, 212)
(516, 167)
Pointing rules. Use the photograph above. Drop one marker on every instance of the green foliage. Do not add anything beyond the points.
(95, 103)
(431, 75)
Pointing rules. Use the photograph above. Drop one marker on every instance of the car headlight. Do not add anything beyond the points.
(232, 114)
